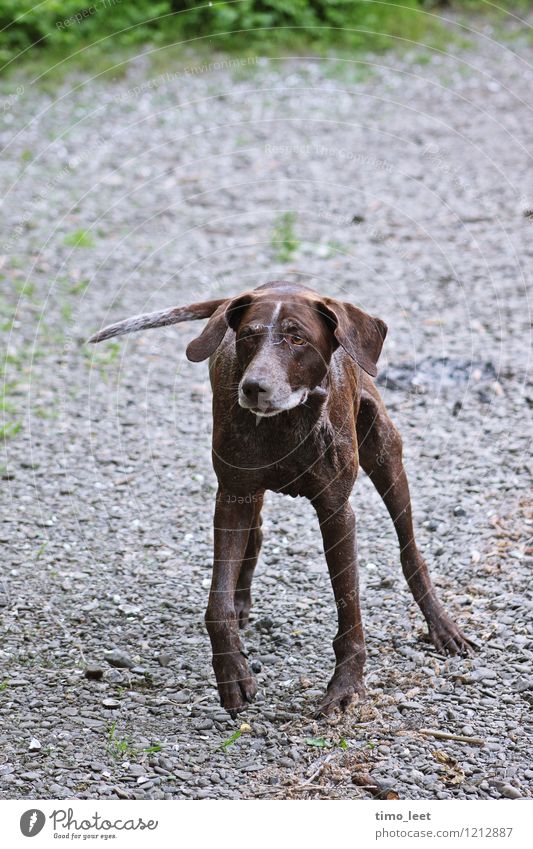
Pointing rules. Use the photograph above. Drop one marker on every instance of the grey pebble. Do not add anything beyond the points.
(119, 659)
(511, 792)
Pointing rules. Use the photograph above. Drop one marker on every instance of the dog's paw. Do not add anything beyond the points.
(236, 685)
(448, 638)
(341, 694)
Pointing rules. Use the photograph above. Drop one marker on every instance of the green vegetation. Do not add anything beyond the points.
(231, 740)
(119, 747)
(97, 35)
(103, 359)
(11, 370)
(79, 239)
(151, 750)
(41, 550)
(324, 743)
(284, 239)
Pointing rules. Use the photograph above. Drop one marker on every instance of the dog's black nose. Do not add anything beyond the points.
(255, 391)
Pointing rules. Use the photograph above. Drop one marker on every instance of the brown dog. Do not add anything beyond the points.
(295, 411)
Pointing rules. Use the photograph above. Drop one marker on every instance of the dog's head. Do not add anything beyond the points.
(285, 336)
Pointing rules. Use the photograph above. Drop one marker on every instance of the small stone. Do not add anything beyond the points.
(510, 792)
(203, 724)
(459, 511)
(266, 623)
(480, 674)
(136, 770)
(256, 666)
(182, 697)
(164, 659)
(94, 673)
(122, 794)
(119, 659)
(35, 745)
(183, 775)
(111, 704)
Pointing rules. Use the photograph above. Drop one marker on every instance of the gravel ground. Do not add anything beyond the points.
(408, 183)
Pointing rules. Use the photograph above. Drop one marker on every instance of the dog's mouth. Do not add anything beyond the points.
(266, 410)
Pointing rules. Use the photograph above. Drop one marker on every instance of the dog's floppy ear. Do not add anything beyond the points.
(227, 315)
(361, 335)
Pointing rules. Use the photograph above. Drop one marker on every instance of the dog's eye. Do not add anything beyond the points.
(296, 340)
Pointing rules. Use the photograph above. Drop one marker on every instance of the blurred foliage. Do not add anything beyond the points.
(61, 27)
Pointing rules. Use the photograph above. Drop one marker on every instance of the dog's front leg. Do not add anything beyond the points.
(338, 533)
(236, 685)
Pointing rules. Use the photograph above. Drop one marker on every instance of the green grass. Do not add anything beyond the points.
(324, 743)
(79, 239)
(319, 743)
(78, 288)
(105, 42)
(16, 367)
(103, 358)
(347, 71)
(284, 239)
(9, 430)
(11, 370)
(152, 750)
(41, 550)
(119, 748)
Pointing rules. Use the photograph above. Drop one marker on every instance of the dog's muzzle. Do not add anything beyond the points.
(262, 400)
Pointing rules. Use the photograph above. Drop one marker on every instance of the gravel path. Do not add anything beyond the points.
(409, 185)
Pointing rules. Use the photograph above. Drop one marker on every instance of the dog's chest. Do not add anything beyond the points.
(295, 461)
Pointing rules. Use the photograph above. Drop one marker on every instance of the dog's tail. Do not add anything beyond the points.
(161, 318)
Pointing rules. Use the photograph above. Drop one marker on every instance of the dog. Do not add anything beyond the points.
(296, 411)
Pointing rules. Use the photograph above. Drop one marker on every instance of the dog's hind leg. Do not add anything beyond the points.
(337, 525)
(243, 593)
(380, 455)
